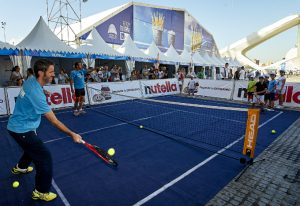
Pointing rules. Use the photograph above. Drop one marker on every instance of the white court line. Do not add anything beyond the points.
(60, 194)
(115, 125)
(166, 186)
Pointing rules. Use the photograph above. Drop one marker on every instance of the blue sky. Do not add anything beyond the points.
(227, 20)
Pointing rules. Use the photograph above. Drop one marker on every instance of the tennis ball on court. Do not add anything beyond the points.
(15, 184)
(273, 131)
(141, 126)
(111, 151)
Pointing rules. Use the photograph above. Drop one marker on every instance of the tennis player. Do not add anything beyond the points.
(281, 87)
(259, 91)
(272, 90)
(77, 77)
(30, 105)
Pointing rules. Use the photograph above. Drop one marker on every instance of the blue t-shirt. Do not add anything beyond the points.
(272, 86)
(78, 78)
(30, 105)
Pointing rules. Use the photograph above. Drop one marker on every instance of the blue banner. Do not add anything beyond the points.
(98, 56)
(53, 54)
(9, 52)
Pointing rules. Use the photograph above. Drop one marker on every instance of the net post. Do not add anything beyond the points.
(251, 132)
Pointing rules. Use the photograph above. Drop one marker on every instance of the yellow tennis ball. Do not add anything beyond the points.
(15, 184)
(111, 151)
(273, 131)
(141, 126)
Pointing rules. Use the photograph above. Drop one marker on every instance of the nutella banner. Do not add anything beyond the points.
(60, 96)
(291, 97)
(152, 88)
(113, 91)
(3, 109)
(211, 88)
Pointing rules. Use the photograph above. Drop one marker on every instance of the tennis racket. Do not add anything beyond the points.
(100, 153)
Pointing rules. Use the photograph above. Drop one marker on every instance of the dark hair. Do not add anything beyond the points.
(77, 64)
(41, 65)
(30, 71)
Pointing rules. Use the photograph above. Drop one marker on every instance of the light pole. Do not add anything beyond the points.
(3, 25)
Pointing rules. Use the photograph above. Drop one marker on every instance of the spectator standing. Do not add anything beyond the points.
(191, 86)
(63, 77)
(281, 87)
(272, 90)
(15, 75)
(242, 74)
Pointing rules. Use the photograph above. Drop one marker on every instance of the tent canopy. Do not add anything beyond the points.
(209, 60)
(198, 60)
(186, 56)
(172, 54)
(154, 52)
(8, 49)
(98, 49)
(41, 41)
(128, 48)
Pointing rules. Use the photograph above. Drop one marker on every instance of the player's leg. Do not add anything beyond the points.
(77, 101)
(34, 147)
(23, 165)
(82, 100)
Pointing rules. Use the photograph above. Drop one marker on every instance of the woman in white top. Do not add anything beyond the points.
(63, 77)
(281, 87)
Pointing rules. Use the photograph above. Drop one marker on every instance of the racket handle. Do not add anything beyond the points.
(82, 141)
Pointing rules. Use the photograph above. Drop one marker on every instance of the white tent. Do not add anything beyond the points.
(186, 56)
(153, 51)
(41, 38)
(128, 48)
(97, 48)
(209, 60)
(172, 54)
(94, 44)
(217, 60)
(41, 41)
(198, 60)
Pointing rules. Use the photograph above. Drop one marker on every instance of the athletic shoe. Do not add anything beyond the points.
(48, 196)
(16, 170)
(82, 111)
(76, 113)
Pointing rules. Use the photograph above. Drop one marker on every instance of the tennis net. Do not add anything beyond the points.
(209, 127)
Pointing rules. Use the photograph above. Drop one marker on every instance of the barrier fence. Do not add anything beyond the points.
(61, 95)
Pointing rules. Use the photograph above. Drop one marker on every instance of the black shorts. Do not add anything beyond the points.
(79, 92)
(272, 96)
(267, 97)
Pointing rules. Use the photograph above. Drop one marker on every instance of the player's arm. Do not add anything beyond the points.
(50, 116)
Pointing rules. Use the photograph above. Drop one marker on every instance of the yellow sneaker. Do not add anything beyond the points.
(17, 170)
(36, 195)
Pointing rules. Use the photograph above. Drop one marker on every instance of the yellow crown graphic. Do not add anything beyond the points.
(158, 21)
(196, 39)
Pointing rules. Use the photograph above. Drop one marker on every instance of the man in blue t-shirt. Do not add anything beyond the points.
(30, 105)
(77, 77)
(272, 90)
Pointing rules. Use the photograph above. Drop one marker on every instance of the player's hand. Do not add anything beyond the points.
(76, 138)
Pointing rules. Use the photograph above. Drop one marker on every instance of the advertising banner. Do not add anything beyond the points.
(196, 37)
(211, 88)
(152, 88)
(163, 26)
(115, 29)
(60, 96)
(291, 97)
(3, 109)
(113, 91)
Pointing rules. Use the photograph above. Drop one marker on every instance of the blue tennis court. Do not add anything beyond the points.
(193, 156)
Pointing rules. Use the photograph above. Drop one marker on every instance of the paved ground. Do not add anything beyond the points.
(274, 181)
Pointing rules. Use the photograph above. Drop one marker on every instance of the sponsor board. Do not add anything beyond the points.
(291, 97)
(211, 88)
(3, 109)
(152, 88)
(60, 96)
(113, 91)
(251, 132)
